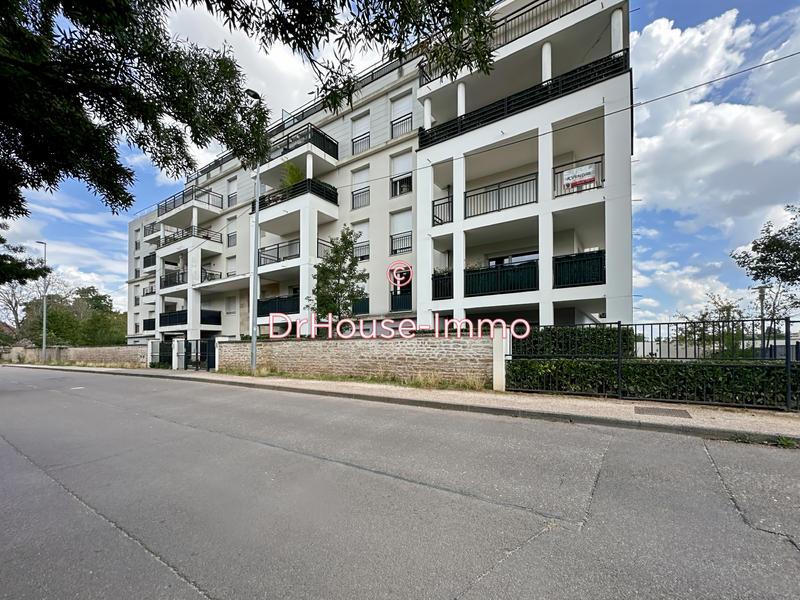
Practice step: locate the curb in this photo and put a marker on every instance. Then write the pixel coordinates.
(689, 430)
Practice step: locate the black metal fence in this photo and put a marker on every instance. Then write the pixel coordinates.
(575, 270)
(401, 184)
(401, 125)
(190, 194)
(360, 198)
(499, 196)
(308, 186)
(182, 234)
(161, 353)
(751, 362)
(442, 286)
(173, 279)
(300, 137)
(442, 211)
(279, 252)
(502, 279)
(400, 243)
(288, 305)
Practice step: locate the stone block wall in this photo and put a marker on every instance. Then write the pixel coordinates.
(134, 354)
(451, 360)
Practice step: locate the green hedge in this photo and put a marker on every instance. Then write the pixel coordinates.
(750, 383)
(591, 340)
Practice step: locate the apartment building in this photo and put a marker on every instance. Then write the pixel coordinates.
(508, 194)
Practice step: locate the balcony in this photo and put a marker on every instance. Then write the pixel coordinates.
(149, 291)
(178, 317)
(210, 317)
(500, 196)
(149, 325)
(578, 79)
(149, 261)
(401, 126)
(502, 279)
(218, 162)
(361, 307)
(361, 250)
(442, 286)
(279, 252)
(305, 135)
(578, 176)
(576, 270)
(442, 211)
(360, 198)
(401, 184)
(151, 229)
(182, 234)
(310, 186)
(288, 305)
(190, 194)
(400, 243)
(360, 143)
(173, 279)
(209, 275)
(520, 23)
(401, 301)
(232, 199)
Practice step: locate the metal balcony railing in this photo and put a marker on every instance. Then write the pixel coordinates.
(210, 317)
(401, 301)
(232, 199)
(151, 228)
(442, 211)
(216, 163)
(279, 252)
(323, 248)
(309, 186)
(561, 85)
(232, 239)
(400, 243)
(149, 291)
(401, 184)
(287, 305)
(209, 275)
(173, 279)
(578, 176)
(182, 234)
(574, 270)
(401, 125)
(361, 307)
(149, 261)
(361, 250)
(148, 325)
(360, 198)
(190, 194)
(360, 143)
(170, 319)
(502, 279)
(442, 286)
(506, 194)
(305, 135)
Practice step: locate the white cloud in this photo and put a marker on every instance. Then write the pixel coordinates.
(649, 302)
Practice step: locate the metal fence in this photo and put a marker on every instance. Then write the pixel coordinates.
(749, 362)
(499, 196)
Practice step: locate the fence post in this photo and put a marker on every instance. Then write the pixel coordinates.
(619, 360)
(788, 364)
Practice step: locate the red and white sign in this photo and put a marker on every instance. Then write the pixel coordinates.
(579, 176)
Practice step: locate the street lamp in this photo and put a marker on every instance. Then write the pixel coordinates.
(254, 280)
(44, 308)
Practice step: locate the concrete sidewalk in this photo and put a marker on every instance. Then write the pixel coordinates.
(715, 422)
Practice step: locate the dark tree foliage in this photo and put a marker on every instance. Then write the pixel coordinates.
(15, 266)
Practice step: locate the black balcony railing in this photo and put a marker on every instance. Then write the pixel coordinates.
(323, 248)
(149, 325)
(573, 270)
(506, 194)
(173, 279)
(401, 125)
(360, 198)
(309, 186)
(361, 307)
(190, 194)
(305, 135)
(231, 239)
(170, 319)
(149, 291)
(562, 85)
(149, 261)
(287, 305)
(518, 23)
(578, 176)
(230, 274)
(361, 143)
(216, 163)
(210, 317)
(401, 184)
(232, 199)
(442, 211)
(279, 252)
(400, 243)
(401, 301)
(151, 228)
(182, 234)
(209, 275)
(361, 250)
(442, 286)
(502, 279)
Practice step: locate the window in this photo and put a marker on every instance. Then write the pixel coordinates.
(400, 240)
(361, 134)
(401, 174)
(361, 248)
(401, 116)
(230, 305)
(513, 259)
(361, 188)
(137, 245)
(230, 269)
(231, 232)
(232, 192)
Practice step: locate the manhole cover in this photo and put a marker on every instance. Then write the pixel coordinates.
(662, 412)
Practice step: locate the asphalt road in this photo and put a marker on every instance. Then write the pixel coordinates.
(117, 487)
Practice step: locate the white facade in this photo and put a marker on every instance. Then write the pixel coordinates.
(508, 194)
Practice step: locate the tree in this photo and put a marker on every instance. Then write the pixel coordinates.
(16, 267)
(339, 281)
(774, 260)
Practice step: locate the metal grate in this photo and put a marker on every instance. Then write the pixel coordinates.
(662, 412)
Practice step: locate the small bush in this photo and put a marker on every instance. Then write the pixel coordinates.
(160, 365)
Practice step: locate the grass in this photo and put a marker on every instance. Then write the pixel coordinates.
(784, 442)
(424, 380)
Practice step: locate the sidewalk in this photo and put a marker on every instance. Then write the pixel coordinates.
(703, 421)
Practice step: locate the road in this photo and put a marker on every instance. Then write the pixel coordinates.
(123, 487)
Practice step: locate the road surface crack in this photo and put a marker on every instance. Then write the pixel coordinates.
(594, 484)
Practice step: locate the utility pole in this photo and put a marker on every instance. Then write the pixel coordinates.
(254, 279)
(44, 309)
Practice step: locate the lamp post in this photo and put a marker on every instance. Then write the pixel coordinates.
(761, 289)
(254, 279)
(44, 309)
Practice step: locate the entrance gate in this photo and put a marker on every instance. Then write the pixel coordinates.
(198, 355)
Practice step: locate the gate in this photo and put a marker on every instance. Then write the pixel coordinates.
(199, 355)
(162, 354)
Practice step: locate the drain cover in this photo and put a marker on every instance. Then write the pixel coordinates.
(662, 412)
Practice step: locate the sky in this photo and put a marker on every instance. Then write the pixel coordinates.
(710, 166)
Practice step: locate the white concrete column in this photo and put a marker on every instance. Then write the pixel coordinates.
(194, 216)
(462, 98)
(308, 254)
(547, 61)
(499, 360)
(309, 166)
(616, 31)
(428, 114)
(424, 269)
(193, 301)
(546, 316)
(459, 246)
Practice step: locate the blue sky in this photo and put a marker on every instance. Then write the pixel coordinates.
(712, 165)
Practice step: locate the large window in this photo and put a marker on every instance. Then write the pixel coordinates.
(360, 188)
(361, 134)
(401, 116)
(361, 248)
(401, 174)
(231, 232)
(400, 241)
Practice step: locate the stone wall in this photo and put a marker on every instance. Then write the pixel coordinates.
(453, 360)
(134, 354)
